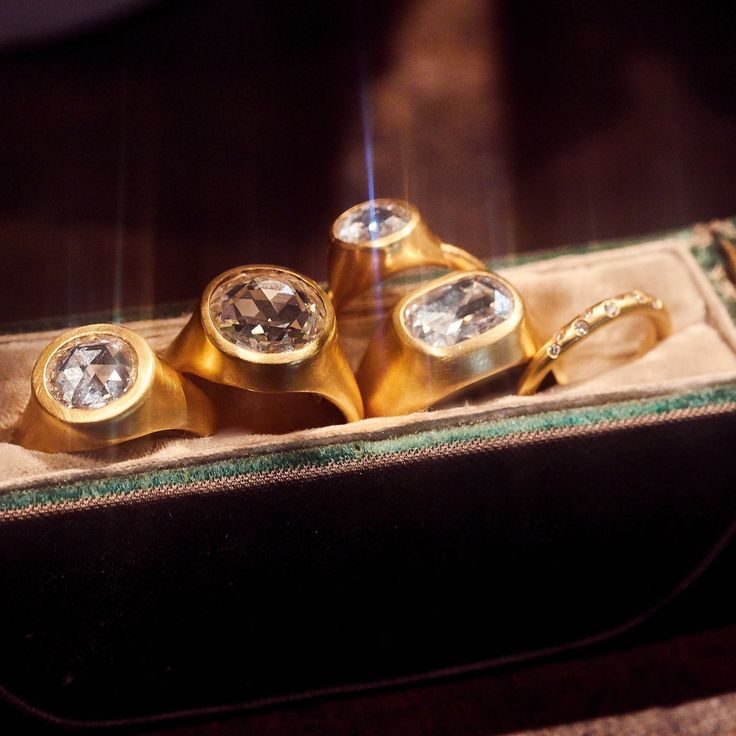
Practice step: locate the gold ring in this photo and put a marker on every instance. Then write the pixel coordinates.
(375, 240)
(271, 333)
(102, 384)
(446, 336)
(547, 357)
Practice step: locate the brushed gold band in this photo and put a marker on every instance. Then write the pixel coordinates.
(599, 315)
(318, 368)
(355, 266)
(159, 400)
(401, 373)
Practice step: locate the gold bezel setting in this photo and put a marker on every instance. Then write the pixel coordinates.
(116, 407)
(487, 337)
(243, 352)
(384, 241)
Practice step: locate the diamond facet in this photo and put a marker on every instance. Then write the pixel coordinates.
(267, 311)
(458, 311)
(612, 309)
(92, 371)
(554, 350)
(371, 220)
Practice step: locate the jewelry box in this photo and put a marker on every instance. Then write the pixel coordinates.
(174, 576)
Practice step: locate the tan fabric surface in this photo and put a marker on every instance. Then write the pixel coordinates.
(711, 717)
(702, 350)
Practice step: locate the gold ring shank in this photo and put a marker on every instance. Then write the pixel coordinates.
(399, 374)
(354, 268)
(320, 369)
(162, 401)
(458, 259)
(635, 303)
(326, 373)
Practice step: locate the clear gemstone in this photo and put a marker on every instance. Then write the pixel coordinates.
(458, 311)
(559, 336)
(371, 220)
(657, 304)
(581, 327)
(553, 350)
(639, 296)
(612, 309)
(269, 312)
(92, 371)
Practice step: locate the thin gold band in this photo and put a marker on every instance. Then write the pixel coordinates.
(598, 316)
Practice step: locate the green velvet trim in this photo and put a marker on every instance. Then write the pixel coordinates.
(357, 451)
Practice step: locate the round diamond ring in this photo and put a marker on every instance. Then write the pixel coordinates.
(102, 384)
(271, 334)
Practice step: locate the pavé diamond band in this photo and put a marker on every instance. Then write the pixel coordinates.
(271, 331)
(102, 384)
(448, 335)
(375, 240)
(548, 358)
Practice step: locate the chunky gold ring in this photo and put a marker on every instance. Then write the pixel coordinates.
(380, 238)
(272, 332)
(444, 337)
(102, 384)
(547, 357)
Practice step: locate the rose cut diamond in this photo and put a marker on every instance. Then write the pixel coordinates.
(92, 371)
(371, 220)
(458, 311)
(268, 311)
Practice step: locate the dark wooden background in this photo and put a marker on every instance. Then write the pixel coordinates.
(140, 158)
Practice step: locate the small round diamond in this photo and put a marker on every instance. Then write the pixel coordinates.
(581, 327)
(554, 350)
(267, 311)
(371, 220)
(92, 371)
(612, 309)
(639, 296)
(657, 304)
(559, 336)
